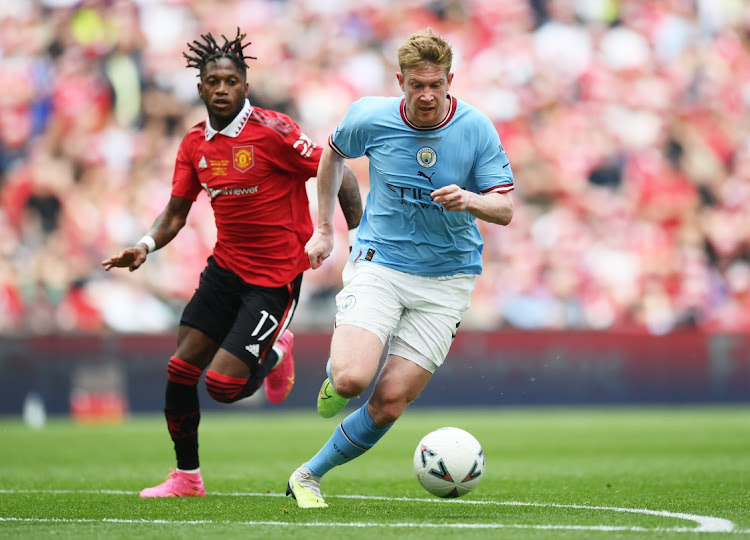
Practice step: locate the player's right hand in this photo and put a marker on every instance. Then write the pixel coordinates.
(132, 258)
(319, 248)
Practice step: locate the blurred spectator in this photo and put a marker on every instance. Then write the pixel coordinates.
(626, 121)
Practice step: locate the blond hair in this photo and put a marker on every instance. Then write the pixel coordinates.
(425, 47)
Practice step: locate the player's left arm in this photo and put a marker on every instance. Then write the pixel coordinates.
(493, 207)
(493, 178)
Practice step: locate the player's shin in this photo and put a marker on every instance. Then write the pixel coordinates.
(182, 411)
(352, 438)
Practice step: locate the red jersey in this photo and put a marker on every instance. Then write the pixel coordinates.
(254, 173)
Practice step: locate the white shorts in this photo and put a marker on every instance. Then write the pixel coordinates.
(417, 316)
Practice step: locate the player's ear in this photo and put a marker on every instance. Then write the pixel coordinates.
(400, 78)
(200, 91)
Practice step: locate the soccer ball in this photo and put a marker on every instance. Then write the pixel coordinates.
(449, 462)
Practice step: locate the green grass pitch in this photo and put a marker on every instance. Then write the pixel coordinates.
(605, 473)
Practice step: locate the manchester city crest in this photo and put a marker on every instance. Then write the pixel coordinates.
(347, 304)
(426, 156)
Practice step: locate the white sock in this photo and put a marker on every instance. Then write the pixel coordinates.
(191, 471)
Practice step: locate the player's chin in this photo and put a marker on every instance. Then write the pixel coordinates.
(223, 110)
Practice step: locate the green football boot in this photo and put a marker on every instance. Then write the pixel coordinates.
(329, 402)
(305, 488)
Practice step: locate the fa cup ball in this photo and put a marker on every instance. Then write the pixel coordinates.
(449, 462)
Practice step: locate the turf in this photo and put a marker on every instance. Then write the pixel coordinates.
(551, 474)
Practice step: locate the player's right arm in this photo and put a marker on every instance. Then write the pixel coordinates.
(165, 228)
(330, 175)
(350, 201)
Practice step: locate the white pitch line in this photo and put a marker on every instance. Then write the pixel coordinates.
(707, 524)
(601, 528)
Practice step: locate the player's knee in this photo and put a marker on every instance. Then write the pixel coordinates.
(385, 413)
(181, 372)
(349, 384)
(224, 389)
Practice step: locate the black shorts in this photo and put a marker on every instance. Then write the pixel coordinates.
(244, 319)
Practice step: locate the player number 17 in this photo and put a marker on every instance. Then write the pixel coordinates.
(265, 316)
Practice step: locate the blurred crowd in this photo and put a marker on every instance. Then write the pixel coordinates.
(626, 123)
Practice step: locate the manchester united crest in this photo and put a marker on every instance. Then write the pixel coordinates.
(244, 157)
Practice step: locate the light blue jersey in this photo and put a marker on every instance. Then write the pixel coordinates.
(402, 228)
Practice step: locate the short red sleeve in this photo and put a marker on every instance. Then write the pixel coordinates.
(185, 182)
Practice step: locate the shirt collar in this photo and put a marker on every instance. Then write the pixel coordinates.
(236, 125)
(452, 105)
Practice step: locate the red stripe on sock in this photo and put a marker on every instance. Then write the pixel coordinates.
(222, 387)
(180, 372)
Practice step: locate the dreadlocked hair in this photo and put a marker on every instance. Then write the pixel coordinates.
(210, 51)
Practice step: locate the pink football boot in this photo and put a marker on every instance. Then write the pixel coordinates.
(280, 381)
(178, 484)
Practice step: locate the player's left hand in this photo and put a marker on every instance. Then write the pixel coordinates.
(452, 198)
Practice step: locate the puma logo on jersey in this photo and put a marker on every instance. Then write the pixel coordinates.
(420, 173)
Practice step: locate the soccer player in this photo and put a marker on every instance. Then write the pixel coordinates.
(436, 165)
(253, 165)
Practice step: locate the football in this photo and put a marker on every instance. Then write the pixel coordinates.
(449, 462)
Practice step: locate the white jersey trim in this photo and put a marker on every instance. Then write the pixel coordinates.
(235, 127)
